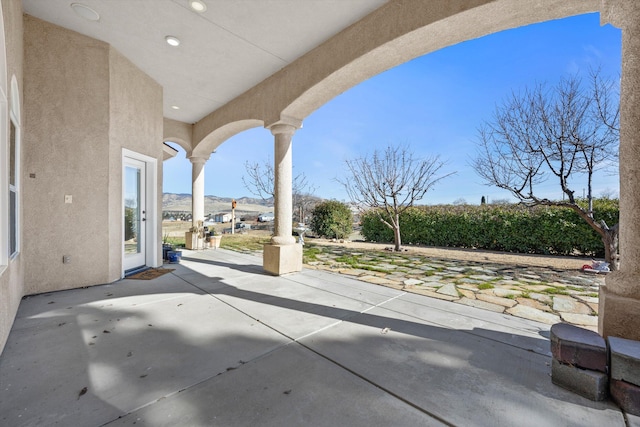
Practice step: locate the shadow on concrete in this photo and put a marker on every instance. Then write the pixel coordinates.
(245, 268)
(148, 348)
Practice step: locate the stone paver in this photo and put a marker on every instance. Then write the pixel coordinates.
(380, 281)
(543, 298)
(535, 293)
(580, 319)
(505, 302)
(506, 293)
(481, 304)
(467, 293)
(432, 294)
(534, 314)
(483, 277)
(534, 304)
(448, 289)
(567, 304)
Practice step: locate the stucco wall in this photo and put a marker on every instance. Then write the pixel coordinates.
(178, 132)
(79, 118)
(65, 146)
(11, 280)
(136, 123)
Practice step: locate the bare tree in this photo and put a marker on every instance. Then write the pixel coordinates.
(261, 177)
(303, 204)
(608, 193)
(390, 182)
(565, 133)
(259, 180)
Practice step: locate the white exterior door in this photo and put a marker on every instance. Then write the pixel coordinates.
(135, 213)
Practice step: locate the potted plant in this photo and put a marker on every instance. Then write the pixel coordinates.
(166, 247)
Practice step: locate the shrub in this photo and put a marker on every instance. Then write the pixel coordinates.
(509, 228)
(332, 219)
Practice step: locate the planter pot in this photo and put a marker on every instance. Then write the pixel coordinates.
(191, 240)
(174, 256)
(165, 251)
(214, 241)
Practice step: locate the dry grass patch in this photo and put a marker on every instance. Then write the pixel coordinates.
(244, 242)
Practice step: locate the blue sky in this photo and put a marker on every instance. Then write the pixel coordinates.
(433, 104)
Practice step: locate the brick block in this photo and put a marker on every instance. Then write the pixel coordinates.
(626, 395)
(590, 384)
(579, 347)
(625, 360)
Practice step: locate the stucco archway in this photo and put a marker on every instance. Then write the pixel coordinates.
(397, 32)
(214, 139)
(392, 35)
(402, 30)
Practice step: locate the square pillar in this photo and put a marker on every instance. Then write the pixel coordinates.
(619, 315)
(619, 307)
(282, 259)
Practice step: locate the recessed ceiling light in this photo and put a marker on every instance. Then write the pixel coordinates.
(175, 107)
(197, 5)
(85, 11)
(172, 41)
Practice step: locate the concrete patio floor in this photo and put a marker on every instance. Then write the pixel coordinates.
(219, 343)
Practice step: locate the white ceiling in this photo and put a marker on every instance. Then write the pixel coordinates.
(224, 51)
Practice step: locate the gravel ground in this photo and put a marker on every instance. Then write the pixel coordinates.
(556, 262)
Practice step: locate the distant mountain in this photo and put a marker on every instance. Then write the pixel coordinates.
(214, 204)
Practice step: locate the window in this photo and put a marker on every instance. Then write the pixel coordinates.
(14, 170)
(13, 190)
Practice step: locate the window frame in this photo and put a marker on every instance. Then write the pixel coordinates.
(13, 143)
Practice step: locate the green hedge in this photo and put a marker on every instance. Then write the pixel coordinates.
(508, 228)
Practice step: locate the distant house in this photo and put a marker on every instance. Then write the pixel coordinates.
(266, 217)
(222, 217)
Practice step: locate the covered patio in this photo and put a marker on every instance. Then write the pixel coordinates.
(219, 342)
(87, 98)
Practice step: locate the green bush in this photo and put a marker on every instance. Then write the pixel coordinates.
(509, 228)
(332, 219)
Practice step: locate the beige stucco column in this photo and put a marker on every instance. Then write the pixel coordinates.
(283, 185)
(283, 255)
(619, 309)
(197, 188)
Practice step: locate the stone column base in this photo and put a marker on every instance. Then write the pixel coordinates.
(282, 259)
(618, 316)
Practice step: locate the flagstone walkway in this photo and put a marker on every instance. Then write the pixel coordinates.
(549, 295)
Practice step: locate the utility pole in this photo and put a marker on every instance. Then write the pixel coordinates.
(233, 216)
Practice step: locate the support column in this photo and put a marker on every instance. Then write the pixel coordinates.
(197, 189)
(283, 255)
(619, 309)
